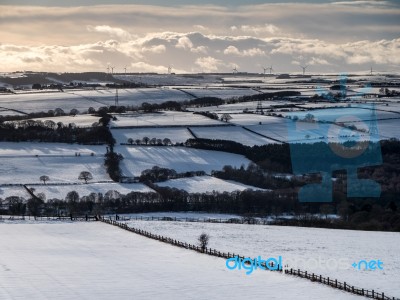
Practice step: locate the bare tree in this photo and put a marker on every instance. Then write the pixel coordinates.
(326, 209)
(44, 178)
(226, 117)
(50, 124)
(74, 112)
(167, 142)
(84, 175)
(146, 140)
(203, 240)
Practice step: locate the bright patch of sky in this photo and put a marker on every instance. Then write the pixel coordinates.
(341, 36)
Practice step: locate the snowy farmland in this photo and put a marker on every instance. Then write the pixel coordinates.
(13, 191)
(9, 149)
(83, 99)
(26, 162)
(60, 169)
(176, 135)
(331, 115)
(78, 120)
(201, 184)
(61, 191)
(236, 133)
(99, 261)
(223, 93)
(140, 158)
(300, 247)
(165, 118)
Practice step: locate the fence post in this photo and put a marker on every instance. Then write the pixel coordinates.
(373, 294)
(335, 283)
(345, 285)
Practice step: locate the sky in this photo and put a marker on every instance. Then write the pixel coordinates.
(214, 36)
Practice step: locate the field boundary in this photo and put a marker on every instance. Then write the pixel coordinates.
(334, 283)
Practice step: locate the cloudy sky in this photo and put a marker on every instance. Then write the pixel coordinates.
(215, 36)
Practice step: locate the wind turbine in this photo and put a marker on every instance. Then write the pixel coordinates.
(125, 70)
(270, 70)
(371, 70)
(112, 69)
(265, 70)
(234, 70)
(108, 69)
(304, 69)
(169, 69)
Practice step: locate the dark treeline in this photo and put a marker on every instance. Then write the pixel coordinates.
(166, 199)
(204, 101)
(207, 114)
(271, 157)
(112, 163)
(179, 106)
(265, 96)
(58, 134)
(157, 174)
(360, 214)
(253, 175)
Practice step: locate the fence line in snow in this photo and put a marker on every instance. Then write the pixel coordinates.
(334, 283)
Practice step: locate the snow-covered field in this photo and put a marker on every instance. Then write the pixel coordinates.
(78, 120)
(26, 162)
(140, 158)
(201, 184)
(239, 107)
(302, 248)
(9, 149)
(175, 134)
(60, 169)
(389, 128)
(83, 99)
(235, 133)
(61, 191)
(254, 119)
(223, 93)
(99, 261)
(362, 112)
(166, 118)
(386, 128)
(9, 191)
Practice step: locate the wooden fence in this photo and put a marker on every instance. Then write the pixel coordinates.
(334, 283)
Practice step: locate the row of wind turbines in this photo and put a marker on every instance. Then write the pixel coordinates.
(110, 69)
(235, 70)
